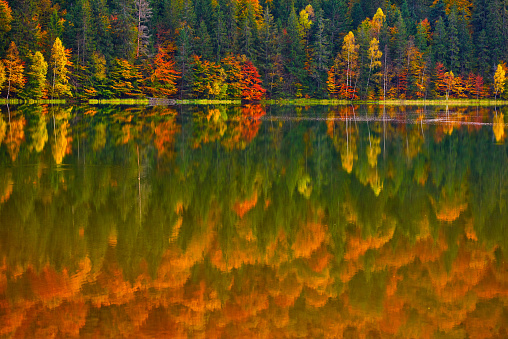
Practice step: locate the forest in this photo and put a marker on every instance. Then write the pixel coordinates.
(253, 49)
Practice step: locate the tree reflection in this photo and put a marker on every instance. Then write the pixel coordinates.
(223, 221)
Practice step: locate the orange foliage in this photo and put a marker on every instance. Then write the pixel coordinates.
(15, 136)
(309, 239)
(165, 138)
(251, 83)
(241, 208)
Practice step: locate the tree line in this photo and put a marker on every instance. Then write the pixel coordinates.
(252, 49)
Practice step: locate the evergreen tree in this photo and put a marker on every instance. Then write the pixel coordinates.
(295, 56)
(183, 58)
(482, 52)
(465, 45)
(204, 42)
(339, 22)
(219, 33)
(453, 50)
(440, 42)
(495, 29)
(267, 46)
(123, 29)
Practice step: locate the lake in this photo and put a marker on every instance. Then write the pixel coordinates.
(253, 221)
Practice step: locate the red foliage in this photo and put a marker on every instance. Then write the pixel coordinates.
(251, 83)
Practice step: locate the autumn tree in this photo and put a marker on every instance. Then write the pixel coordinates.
(208, 79)
(14, 70)
(5, 19)
(125, 79)
(499, 79)
(59, 63)
(251, 82)
(346, 66)
(163, 76)
(2, 75)
(375, 56)
(36, 76)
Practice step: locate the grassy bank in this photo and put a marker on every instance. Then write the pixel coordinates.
(390, 102)
(32, 102)
(279, 102)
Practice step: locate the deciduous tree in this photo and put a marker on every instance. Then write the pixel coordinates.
(499, 80)
(59, 63)
(14, 70)
(36, 76)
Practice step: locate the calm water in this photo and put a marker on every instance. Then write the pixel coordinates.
(253, 222)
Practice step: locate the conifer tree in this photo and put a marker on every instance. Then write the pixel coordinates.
(453, 41)
(440, 41)
(59, 74)
(204, 42)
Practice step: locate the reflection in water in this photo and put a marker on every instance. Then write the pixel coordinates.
(253, 221)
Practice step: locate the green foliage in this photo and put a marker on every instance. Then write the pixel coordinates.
(36, 86)
(125, 79)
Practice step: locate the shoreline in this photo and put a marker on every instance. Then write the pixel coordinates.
(277, 102)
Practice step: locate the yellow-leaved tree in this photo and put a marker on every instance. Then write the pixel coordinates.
(375, 55)
(59, 74)
(499, 80)
(2, 75)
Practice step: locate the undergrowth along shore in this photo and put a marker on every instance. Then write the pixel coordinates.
(282, 102)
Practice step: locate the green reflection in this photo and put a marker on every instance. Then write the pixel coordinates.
(234, 220)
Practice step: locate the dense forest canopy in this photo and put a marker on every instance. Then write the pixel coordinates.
(251, 49)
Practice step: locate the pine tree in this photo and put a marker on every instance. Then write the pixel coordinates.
(219, 33)
(321, 49)
(267, 46)
(440, 41)
(183, 58)
(124, 29)
(465, 45)
(36, 76)
(14, 70)
(204, 42)
(482, 51)
(422, 37)
(59, 73)
(453, 54)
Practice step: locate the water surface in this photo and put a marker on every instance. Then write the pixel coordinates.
(253, 221)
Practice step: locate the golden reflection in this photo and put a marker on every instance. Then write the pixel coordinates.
(499, 127)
